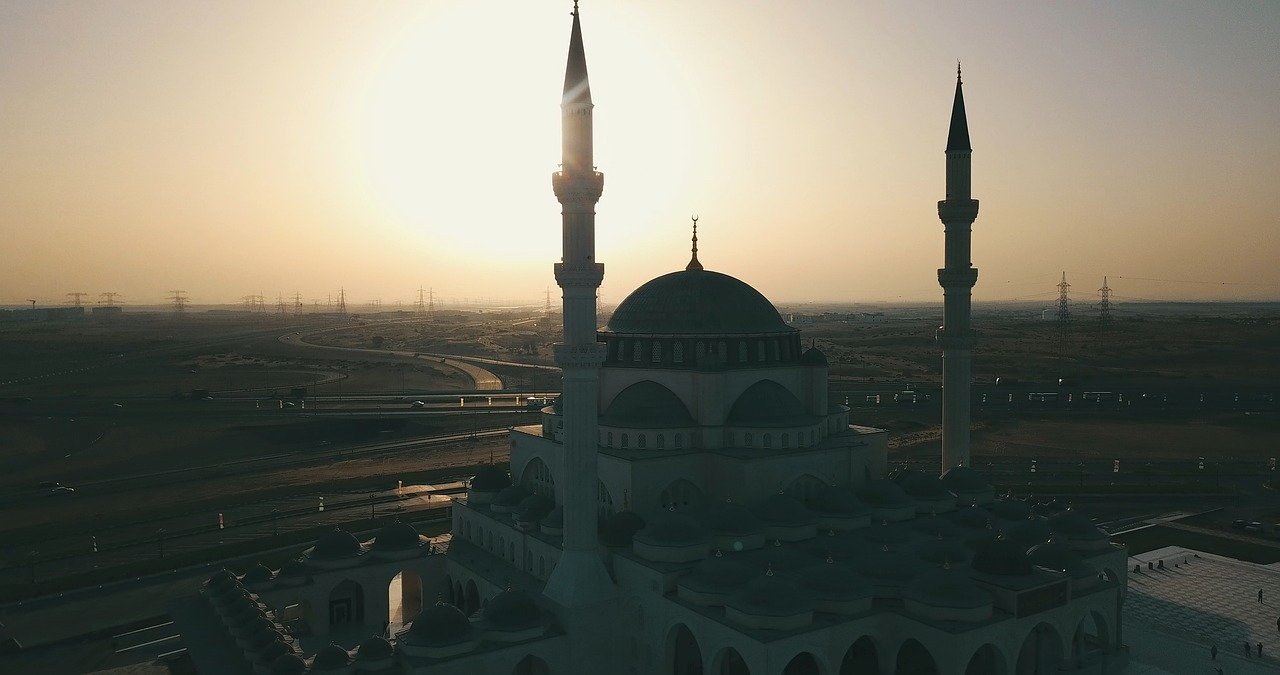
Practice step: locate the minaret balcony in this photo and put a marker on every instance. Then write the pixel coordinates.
(958, 210)
(577, 188)
(964, 277)
(589, 275)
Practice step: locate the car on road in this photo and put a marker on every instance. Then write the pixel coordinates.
(418, 404)
(62, 490)
(1255, 526)
(873, 398)
(1238, 523)
(48, 484)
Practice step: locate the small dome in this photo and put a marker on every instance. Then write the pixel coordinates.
(266, 637)
(439, 625)
(924, 486)
(886, 534)
(336, 544)
(647, 405)
(813, 357)
(373, 649)
(294, 568)
(1003, 557)
(717, 575)
(833, 581)
(288, 664)
(1059, 558)
(274, 650)
(842, 545)
(258, 574)
(933, 526)
(490, 478)
(1075, 525)
(731, 519)
(1028, 533)
(618, 529)
(839, 501)
(940, 551)
(512, 610)
(770, 596)
(883, 493)
(222, 579)
(671, 528)
(1011, 509)
(965, 479)
(947, 588)
(397, 536)
(696, 302)
(972, 517)
(554, 518)
(766, 403)
(783, 510)
(887, 566)
(779, 558)
(331, 657)
(510, 496)
(532, 508)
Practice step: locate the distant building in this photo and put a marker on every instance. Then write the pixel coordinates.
(106, 312)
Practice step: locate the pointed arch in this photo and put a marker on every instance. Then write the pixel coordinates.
(684, 656)
(861, 658)
(986, 660)
(914, 659)
(538, 479)
(1091, 637)
(806, 487)
(681, 494)
(1041, 650)
(346, 604)
(803, 663)
(729, 662)
(531, 665)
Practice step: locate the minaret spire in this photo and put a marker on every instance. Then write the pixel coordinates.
(693, 262)
(957, 278)
(579, 578)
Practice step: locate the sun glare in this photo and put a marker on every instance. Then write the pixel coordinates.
(462, 134)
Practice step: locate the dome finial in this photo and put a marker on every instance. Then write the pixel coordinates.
(957, 61)
(693, 262)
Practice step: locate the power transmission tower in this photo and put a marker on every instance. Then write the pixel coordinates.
(75, 297)
(179, 300)
(342, 301)
(431, 301)
(422, 304)
(1064, 307)
(280, 306)
(1104, 305)
(297, 302)
(547, 308)
(109, 298)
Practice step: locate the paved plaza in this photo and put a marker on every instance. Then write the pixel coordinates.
(1173, 615)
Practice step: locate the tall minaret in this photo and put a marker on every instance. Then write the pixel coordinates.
(579, 578)
(957, 278)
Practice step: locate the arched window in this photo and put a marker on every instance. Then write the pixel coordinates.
(742, 351)
(537, 478)
(746, 439)
(724, 350)
(677, 352)
(773, 344)
(699, 349)
(728, 438)
(636, 351)
(640, 441)
(806, 488)
(604, 500)
(679, 440)
(656, 357)
(760, 355)
(610, 437)
(662, 441)
(768, 440)
(786, 440)
(624, 440)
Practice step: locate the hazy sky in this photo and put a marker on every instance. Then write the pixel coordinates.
(234, 147)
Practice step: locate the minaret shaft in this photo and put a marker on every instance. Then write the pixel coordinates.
(957, 278)
(579, 578)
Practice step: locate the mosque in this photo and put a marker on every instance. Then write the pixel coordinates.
(694, 503)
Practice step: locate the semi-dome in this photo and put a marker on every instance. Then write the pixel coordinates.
(508, 498)
(288, 664)
(924, 486)
(294, 568)
(490, 478)
(512, 610)
(332, 657)
(1075, 525)
(1003, 557)
(647, 405)
(532, 508)
(258, 574)
(813, 357)
(440, 625)
(670, 528)
(886, 534)
(885, 566)
(696, 302)
(784, 510)
(766, 403)
(336, 544)
(396, 537)
(833, 581)
(973, 517)
(374, 648)
(1028, 533)
(942, 551)
(839, 501)
(731, 518)
(883, 493)
(1059, 558)
(618, 529)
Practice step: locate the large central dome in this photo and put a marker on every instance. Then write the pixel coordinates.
(696, 302)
